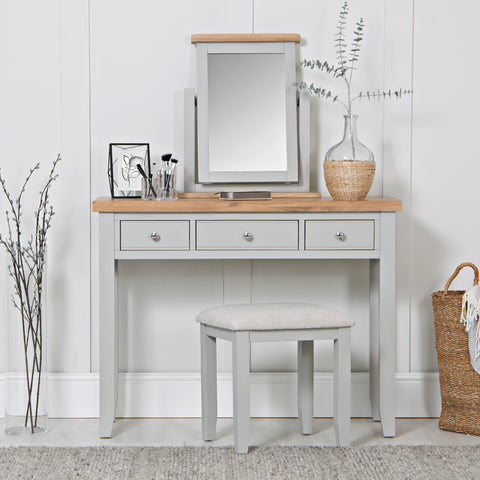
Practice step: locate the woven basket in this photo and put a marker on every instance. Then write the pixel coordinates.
(459, 382)
(348, 179)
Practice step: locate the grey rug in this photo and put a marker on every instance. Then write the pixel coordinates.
(173, 463)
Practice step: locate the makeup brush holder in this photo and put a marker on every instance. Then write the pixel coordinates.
(167, 186)
(148, 191)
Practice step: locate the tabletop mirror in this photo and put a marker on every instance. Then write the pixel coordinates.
(246, 127)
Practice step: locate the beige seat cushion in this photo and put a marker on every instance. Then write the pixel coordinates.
(274, 316)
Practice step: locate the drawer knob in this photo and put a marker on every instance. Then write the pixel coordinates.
(341, 236)
(247, 236)
(155, 236)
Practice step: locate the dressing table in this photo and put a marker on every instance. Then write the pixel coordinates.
(294, 224)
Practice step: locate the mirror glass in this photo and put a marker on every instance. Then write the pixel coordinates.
(247, 112)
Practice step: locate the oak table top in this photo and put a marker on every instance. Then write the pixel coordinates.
(280, 203)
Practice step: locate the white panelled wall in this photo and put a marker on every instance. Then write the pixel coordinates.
(79, 74)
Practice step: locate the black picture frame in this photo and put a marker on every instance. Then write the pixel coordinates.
(123, 176)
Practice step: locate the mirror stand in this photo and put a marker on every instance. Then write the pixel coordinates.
(245, 126)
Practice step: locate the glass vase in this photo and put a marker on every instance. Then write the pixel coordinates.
(25, 376)
(349, 166)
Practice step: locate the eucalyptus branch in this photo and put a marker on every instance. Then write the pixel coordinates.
(318, 91)
(355, 47)
(340, 36)
(324, 66)
(345, 66)
(382, 94)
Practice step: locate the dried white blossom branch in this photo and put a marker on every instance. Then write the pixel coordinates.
(26, 268)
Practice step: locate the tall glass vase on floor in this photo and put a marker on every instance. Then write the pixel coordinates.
(25, 354)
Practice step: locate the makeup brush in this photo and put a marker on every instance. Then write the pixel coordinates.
(148, 180)
(173, 168)
(166, 170)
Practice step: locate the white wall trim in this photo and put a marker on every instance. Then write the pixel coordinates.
(273, 395)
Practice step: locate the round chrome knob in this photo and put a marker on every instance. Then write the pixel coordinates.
(341, 236)
(247, 236)
(155, 236)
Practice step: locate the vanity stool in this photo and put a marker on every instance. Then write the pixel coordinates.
(244, 324)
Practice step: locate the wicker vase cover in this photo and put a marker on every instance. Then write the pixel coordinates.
(459, 382)
(349, 166)
(348, 179)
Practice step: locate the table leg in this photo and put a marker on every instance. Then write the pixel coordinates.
(108, 324)
(209, 384)
(386, 323)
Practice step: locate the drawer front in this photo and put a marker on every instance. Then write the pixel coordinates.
(340, 235)
(156, 235)
(247, 235)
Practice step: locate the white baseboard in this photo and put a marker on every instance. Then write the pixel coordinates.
(272, 395)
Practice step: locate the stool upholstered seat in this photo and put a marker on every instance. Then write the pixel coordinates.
(273, 316)
(267, 322)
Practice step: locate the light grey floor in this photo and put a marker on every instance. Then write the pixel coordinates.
(263, 432)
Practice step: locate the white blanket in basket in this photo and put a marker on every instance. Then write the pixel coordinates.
(470, 318)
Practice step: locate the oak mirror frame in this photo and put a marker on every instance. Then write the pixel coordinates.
(247, 125)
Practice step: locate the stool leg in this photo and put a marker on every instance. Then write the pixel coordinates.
(241, 390)
(342, 385)
(305, 386)
(209, 384)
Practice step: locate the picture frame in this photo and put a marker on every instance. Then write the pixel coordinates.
(123, 176)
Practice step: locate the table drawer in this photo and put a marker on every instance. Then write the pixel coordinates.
(340, 235)
(155, 235)
(247, 235)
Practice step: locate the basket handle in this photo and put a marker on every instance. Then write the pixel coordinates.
(457, 271)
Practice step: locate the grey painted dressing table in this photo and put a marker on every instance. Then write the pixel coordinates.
(290, 226)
